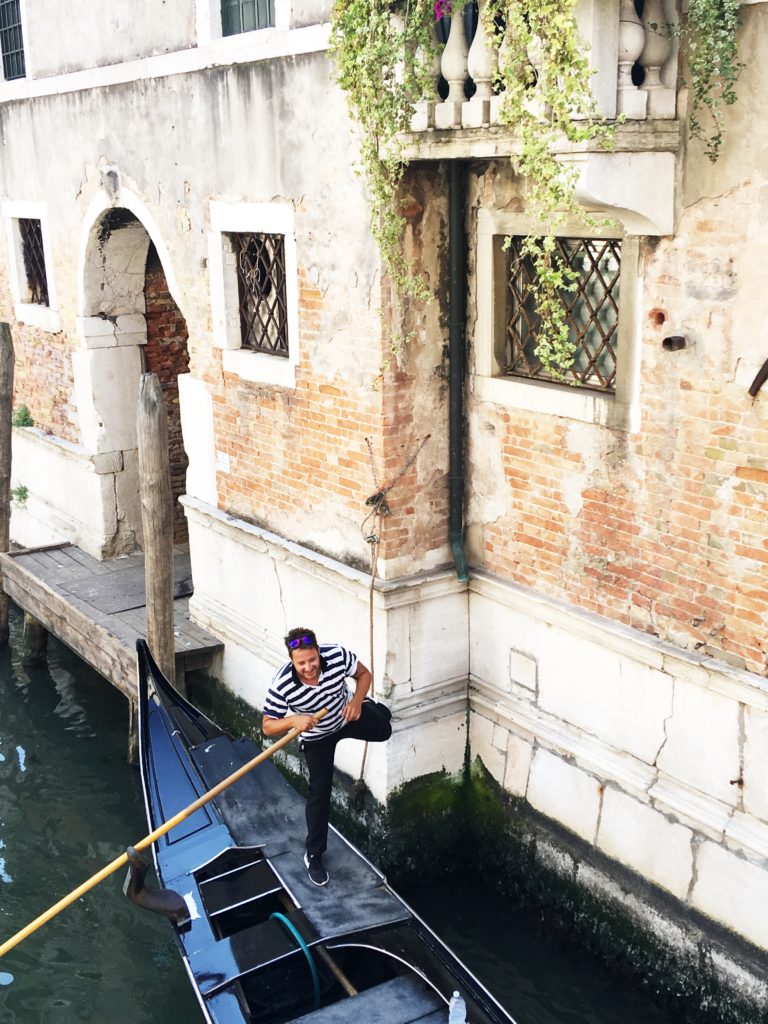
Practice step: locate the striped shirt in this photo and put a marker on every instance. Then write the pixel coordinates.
(287, 695)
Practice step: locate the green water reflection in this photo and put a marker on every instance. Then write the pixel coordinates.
(69, 804)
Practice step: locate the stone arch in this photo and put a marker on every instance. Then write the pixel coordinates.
(117, 241)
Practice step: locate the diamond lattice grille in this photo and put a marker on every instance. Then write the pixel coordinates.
(261, 290)
(591, 309)
(34, 260)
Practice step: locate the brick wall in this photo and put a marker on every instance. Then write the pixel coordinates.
(166, 355)
(43, 379)
(665, 529)
(298, 462)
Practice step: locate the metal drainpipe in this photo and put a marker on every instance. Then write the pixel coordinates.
(457, 277)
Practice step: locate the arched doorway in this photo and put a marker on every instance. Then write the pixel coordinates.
(130, 324)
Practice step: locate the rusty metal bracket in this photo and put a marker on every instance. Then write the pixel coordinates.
(760, 379)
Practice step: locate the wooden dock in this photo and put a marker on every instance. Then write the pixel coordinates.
(98, 609)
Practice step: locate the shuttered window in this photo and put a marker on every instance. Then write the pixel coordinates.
(11, 40)
(246, 15)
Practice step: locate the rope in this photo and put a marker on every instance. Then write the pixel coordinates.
(372, 529)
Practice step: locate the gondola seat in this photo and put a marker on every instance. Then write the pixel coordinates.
(404, 1000)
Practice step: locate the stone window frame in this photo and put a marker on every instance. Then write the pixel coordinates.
(619, 410)
(31, 313)
(244, 218)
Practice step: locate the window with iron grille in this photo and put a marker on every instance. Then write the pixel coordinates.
(591, 312)
(33, 253)
(260, 259)
(246, 15)
(11, 39)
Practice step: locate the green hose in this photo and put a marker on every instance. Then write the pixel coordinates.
(305, 950)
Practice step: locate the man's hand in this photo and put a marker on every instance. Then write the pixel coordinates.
(352, 711)
(304, 722)
(278, 726)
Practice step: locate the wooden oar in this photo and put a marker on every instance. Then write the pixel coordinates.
(142, 844)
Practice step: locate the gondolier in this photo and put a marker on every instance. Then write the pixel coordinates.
(315, 677)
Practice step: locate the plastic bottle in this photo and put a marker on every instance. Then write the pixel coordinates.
(457, 1010)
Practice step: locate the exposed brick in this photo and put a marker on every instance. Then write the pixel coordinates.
(166, 355)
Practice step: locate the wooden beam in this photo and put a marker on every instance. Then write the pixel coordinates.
(35, 641)
(157, 522)
(77, 627)
(7, 360)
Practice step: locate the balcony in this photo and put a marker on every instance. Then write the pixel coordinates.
(634, 85)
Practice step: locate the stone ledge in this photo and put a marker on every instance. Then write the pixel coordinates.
(706, 815)
(388, 594)
(745, 687)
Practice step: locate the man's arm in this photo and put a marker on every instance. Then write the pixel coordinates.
(278, 726)
(362, 679)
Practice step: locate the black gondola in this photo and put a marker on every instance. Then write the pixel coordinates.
(260, 942)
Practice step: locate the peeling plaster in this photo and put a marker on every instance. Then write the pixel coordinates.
(489, 497)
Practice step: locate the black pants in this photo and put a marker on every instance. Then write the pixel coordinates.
(372, 725)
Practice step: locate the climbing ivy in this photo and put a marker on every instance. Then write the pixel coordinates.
(385, 55)
(544, 77)
(711, 47)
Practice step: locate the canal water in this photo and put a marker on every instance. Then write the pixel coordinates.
(69, 804)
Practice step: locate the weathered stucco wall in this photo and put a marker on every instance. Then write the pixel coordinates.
(212, 153)
(60, 38)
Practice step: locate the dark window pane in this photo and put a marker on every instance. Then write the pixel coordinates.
(246, 15)
(11, 42)
(34, 260)
(261, 292)
(591, 312)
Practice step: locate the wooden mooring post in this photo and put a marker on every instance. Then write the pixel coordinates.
(7, 361)
(157, 525)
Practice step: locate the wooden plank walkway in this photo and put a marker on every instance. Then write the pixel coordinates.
(98, 608)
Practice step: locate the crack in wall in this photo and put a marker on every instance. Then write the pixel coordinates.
(280, 593)
(739, 782)
(667, 720)
(601, 789)
(696, 842)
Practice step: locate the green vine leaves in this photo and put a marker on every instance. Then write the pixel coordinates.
(385, 56)
(544, 80)
(709, 39)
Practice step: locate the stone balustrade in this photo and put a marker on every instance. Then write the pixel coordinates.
(634, 58)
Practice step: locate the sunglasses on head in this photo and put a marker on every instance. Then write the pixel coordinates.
(301, 641)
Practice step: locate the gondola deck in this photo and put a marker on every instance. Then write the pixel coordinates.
(263, 945)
